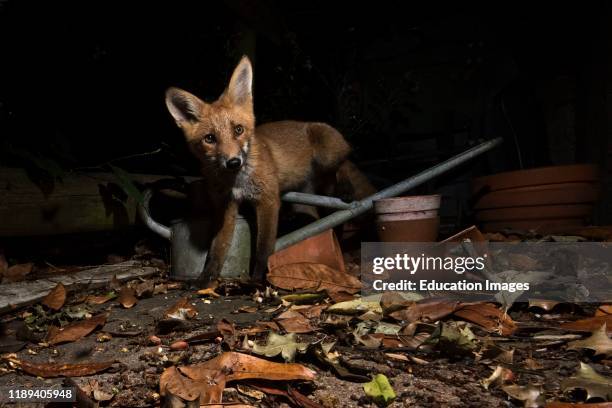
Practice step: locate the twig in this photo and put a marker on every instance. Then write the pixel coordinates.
(131, 156)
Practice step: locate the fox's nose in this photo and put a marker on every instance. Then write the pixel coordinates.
(233, 163)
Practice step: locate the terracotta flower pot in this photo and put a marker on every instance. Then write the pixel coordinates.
(322, 248)
(547, 199)
(420, 230)
(534, 177)
(560, 193)
(408, 219)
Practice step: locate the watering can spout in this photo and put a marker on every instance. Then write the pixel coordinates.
(145, 216)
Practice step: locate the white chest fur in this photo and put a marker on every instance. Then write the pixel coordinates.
(245, 188)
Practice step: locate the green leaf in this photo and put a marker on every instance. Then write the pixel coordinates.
(126, 183)
(380, 390)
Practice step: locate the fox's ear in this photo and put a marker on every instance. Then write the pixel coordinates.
(184, 107)
(239, 89)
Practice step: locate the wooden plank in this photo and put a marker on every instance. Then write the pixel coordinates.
(20, 294)
(82, 202)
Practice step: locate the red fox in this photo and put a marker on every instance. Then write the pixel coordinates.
(241, 163)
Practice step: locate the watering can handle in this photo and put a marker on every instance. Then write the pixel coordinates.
(145, 216)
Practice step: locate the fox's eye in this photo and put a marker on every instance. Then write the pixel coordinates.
(210, 138)
(238, 129)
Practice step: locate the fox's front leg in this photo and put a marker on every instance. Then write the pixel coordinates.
(219, 247)
(267, 223)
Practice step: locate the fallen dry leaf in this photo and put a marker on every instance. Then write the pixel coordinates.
(309, 312)
(208, 292)
(393, 301)
(241, 366)
(532, 364)
(492, 351)
(277, 344)
(172, 382)
(599, 342)
(430, 310)
(586, 378)
(313, 276)
(17, 273)
(604, 310)
(488, 316)
(589, 324)
(127, 297)
(182, 310)
(546, 305)
(115, 284)
(74, 331)
(207, 380)
(296, 324)
(98, 300)
(246, 309)
(395, 356)
(56, 298)
(530, 395)
(226, 328)
(60, 370)
(144, 289)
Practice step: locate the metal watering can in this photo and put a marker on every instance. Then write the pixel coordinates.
(190, 239)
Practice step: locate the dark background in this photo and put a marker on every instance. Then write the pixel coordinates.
(408, 83)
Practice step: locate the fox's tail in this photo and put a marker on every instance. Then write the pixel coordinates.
(351, 183)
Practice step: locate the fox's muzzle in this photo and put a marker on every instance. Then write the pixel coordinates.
(234, 163)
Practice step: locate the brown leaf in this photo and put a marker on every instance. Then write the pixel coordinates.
(97, 300)
(74, 331)
(309, 312)
(145, 289)
(127, 297)
(531, 364)
(531, 395)
(17, 273)
(246, 309)
(393, 301)
(115, 284)
(429, 310)
(586, 378)
(604, 310)
(598, 342)
(546, 305)
(56, 297)
(61, 370)
(590, 324)
(243, 366)
(208, 379)
(296, 324)
(172, 382)
(305, 275)
(208, 292)
(489, 317)
(226, 328)
(182, 310)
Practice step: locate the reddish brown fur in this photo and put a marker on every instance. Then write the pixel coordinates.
(276, 157)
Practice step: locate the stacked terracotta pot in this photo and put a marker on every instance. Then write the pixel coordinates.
(546, 199)
(408, 219)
